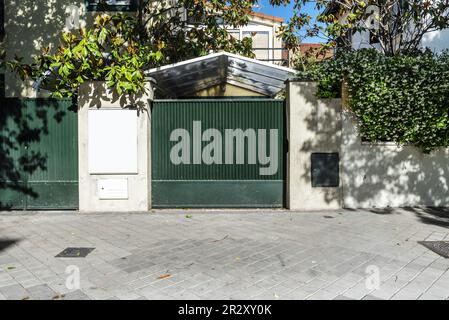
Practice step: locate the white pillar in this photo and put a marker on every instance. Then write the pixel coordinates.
(313, 126)
(114, 169)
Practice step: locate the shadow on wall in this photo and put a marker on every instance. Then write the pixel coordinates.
(97, 95)
(371, 176)
(22, 125)
(323, 134)
(31, 25)
(391, 176)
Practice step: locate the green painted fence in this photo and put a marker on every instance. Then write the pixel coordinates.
(216, 185)
(39, 146)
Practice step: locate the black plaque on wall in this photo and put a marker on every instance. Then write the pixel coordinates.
(325, 169)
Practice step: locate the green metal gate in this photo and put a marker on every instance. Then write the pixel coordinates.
(39, 145)
(196, 181)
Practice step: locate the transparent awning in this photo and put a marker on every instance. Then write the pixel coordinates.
(187, 77)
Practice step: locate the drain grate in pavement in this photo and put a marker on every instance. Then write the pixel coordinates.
(440, 247)
(74, 252)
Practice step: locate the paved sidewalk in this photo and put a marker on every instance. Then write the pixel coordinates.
(190, 254)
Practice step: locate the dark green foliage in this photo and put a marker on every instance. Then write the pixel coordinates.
(404, 99)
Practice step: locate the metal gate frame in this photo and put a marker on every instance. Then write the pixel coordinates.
(209, 186)
(53, 124)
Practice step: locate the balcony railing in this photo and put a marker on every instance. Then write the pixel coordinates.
(278, 56)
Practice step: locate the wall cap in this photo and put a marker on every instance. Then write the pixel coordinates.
(298, 80)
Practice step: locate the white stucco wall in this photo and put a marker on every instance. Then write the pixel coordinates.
(390, 176)
(30, 25)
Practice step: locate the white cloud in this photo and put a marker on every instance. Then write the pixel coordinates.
(437, 40)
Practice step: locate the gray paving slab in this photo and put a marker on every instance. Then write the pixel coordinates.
(219, 254)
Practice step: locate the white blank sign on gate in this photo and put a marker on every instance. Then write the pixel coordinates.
(112, 142)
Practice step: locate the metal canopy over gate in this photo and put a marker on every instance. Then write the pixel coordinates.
(203, 153)
(39, 154)
(184, 78)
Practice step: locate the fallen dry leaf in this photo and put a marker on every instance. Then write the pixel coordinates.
(58, 296)
(164, 276)
(221, 239)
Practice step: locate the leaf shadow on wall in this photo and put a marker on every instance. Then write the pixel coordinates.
(381, 176)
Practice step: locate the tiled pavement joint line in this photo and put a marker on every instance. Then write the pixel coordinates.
(433, 282)
(364, 278)
(414, 277)
(411, 280)
(333, 282)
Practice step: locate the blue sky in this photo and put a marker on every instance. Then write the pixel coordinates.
(286, 13)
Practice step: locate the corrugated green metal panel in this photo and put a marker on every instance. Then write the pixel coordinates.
(53, 195)
(169, 115)
(60, 143)
(218, 194)
(215, 185)
(13, 199)
(56, 185)
(13, 179)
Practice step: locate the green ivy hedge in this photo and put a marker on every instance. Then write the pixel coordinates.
(404, 99)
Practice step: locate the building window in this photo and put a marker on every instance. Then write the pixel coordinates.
(261, 44)
(112, 5)
(2, 19)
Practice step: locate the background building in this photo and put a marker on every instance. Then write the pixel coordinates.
(26, 26)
